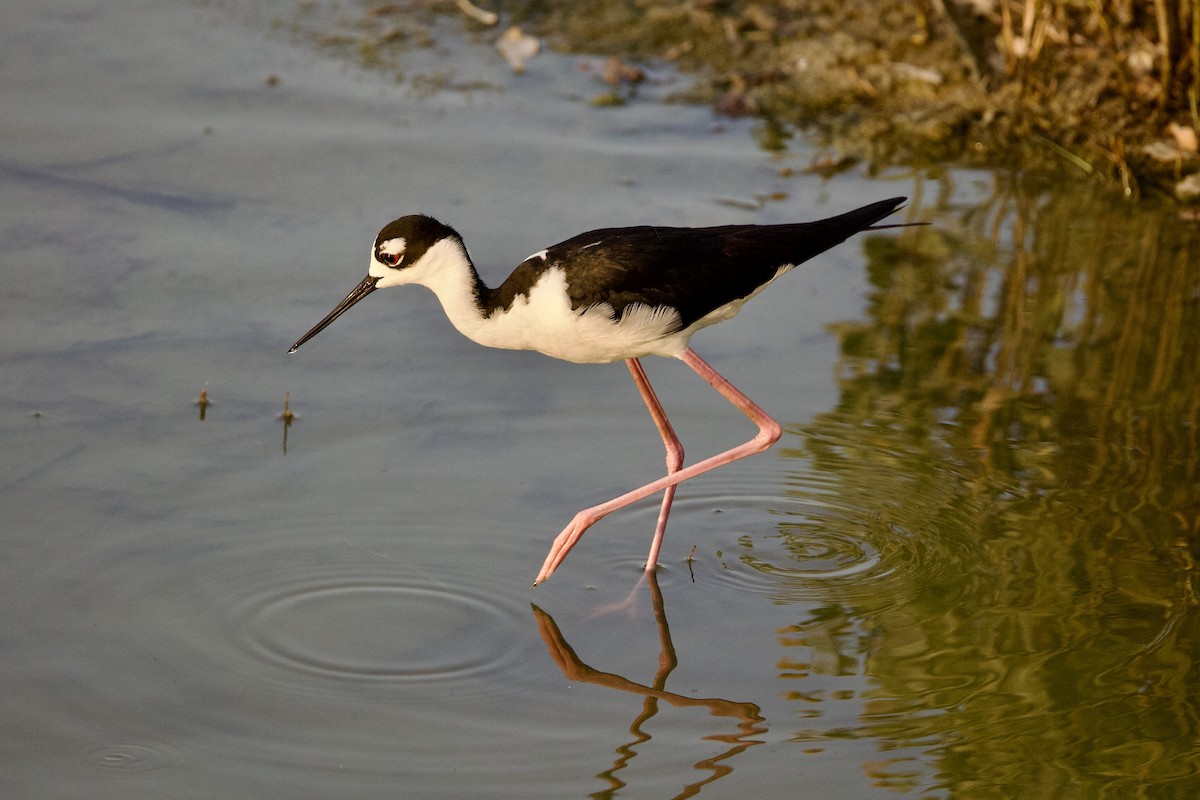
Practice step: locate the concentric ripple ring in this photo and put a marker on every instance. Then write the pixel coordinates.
(378, 631)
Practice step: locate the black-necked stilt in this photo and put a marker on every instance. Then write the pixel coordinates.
(608, 295)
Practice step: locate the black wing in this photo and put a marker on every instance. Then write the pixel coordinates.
(695, 270)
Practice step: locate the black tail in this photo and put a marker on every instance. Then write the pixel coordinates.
(794, 243)
(860, 219)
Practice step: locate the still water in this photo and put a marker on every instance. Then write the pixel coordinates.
(967, 571)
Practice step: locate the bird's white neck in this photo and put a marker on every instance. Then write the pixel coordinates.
(447, 271)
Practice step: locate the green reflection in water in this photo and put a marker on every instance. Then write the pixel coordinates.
(1023, 402)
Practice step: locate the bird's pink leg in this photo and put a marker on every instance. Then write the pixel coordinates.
(769, 432)
(674, 455)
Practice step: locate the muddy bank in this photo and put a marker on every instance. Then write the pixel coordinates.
(1104, 89)
(1105, 92)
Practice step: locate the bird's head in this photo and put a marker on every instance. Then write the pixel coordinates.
(411, 249)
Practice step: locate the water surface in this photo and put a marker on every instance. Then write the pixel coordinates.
(966, 571)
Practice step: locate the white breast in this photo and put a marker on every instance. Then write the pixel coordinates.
(544, 321)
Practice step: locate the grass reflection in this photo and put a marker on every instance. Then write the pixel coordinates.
(1024, 393)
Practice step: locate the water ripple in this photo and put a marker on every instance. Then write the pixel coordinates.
(807, 538)
(350, 630)
(823, 555)
(129, 756)
(799, 548)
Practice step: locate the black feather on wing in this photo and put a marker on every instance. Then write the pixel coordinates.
(695, 270)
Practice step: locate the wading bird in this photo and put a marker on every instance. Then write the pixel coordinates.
(609, 295)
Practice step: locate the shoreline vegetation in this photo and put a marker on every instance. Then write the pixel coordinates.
(1106, 91)
(1103, 88)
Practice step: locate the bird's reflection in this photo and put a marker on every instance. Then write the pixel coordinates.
(750, 719)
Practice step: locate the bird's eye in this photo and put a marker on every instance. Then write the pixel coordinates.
(391, 259)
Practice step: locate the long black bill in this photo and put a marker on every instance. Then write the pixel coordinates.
(362, 290)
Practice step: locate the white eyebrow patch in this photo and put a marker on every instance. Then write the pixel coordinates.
(394, 246)
(586, 246)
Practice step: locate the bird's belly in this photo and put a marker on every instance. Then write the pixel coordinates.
(544, 321)
(590, 335)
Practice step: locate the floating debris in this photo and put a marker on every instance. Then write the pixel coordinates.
(735, 102)
(734, 202)
(828, 165)
(607, 99)
(517, 47)
(1184, 136)
(287, 416)
(203, 403)
(1188, 189)
(476, 13)
(617, 72)
(384, 10)
(757, 204)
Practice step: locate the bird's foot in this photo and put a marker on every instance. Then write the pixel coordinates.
(564, 542)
